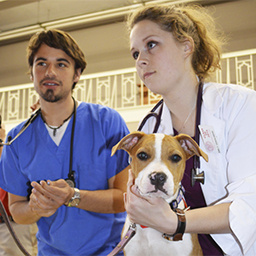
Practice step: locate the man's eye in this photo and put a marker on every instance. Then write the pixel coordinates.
(143, 156)
(151, 45)
(41, 64)
(62, 65)
(135, 55)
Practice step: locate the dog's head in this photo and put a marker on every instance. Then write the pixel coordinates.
(158, 161)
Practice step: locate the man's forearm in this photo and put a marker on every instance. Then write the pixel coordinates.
(102, 201)
(22, 212)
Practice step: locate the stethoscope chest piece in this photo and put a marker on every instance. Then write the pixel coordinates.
(196, 175)
(71, 183)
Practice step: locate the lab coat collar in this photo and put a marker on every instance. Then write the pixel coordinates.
(212, 98)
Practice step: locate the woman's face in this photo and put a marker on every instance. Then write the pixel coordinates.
(160, 59)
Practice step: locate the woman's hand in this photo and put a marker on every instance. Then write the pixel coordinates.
(148, 211)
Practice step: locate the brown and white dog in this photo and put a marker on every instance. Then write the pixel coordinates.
(158, 164)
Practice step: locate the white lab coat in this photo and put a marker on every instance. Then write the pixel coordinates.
(230, 176)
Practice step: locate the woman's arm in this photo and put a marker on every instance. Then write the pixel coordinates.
(207, 220)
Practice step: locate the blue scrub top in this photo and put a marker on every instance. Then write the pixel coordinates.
(34, 156)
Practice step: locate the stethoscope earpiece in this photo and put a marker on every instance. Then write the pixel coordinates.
(196, 176)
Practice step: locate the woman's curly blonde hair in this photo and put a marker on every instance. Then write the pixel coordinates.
(186, 22)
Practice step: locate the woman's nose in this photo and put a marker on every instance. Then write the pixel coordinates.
(142, 59)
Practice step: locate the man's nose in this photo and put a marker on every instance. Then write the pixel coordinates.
(50, 71)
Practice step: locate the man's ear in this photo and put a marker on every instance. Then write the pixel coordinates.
(31, 78)
(77, 75)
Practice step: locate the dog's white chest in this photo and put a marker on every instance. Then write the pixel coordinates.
(150, 242)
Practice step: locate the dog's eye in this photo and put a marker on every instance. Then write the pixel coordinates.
(175, 158)
(143, 156)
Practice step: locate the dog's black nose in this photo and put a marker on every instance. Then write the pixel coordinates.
(158, 179)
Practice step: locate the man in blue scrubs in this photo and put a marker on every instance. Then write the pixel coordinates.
(83, 215)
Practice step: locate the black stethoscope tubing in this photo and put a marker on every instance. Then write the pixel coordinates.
(198, 120)
(71, 173)
(152, 113)
(25, 126)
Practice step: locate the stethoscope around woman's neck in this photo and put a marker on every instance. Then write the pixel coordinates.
(196, 175)
(71, 175)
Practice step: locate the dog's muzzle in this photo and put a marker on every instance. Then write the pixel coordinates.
(158, 179)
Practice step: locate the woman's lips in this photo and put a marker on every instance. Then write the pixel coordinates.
(148, 74)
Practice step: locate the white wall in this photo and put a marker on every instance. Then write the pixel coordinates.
(107, 47)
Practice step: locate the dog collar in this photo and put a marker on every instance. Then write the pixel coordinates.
(174, 203)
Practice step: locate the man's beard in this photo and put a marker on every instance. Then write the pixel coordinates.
(50, 97)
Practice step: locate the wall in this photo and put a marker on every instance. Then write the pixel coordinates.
(107, 48)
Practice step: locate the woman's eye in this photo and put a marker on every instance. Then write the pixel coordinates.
(135, 55)
(151, 45)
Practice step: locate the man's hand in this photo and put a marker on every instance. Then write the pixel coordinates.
(47, 197)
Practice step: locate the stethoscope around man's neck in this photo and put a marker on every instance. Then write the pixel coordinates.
(196, 175)
(71, 175)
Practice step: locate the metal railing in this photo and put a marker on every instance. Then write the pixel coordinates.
(238, 68)
(122, 89)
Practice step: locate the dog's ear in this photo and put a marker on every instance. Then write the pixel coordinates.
(128, 142)
(190, 147)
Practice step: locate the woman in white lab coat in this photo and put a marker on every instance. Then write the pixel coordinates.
(175, 49)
